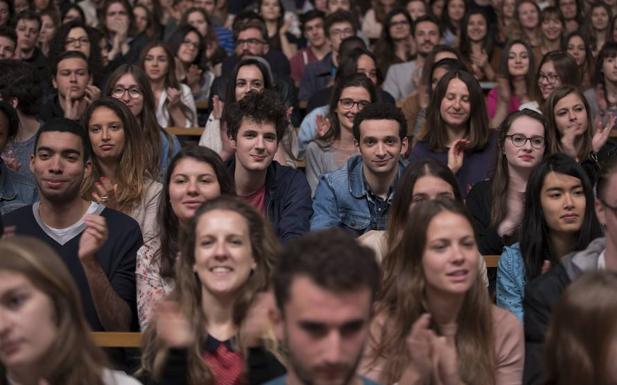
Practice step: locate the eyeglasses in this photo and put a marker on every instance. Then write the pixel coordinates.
(250, 42)
(82, 40)
(191, 43)
(551, 78)
(118, 92)
(612, 208)
(348, 103)
(519, 140)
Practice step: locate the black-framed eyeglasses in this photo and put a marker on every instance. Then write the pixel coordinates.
(348, 103)
(118, 92)
(612, 208)
(519, 140)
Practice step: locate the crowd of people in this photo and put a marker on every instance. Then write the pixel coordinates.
(357, 162)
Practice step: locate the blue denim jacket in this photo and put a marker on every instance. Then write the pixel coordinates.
(511, 279)
(16, 190)
(341, 200)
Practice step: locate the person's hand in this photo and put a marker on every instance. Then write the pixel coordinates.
(444, 352)
(193, 75)
(172, 327)
(93, 237)
(174, 97)
(72, 108)
(419, 346)
(217, 107)
(480, 59)
(323, 125)
(456, 155)
(416, 76)
(285, 27)
(92, 93)
(503, 90)
(105, 193)
(602, 132)
(568, 142)
(257, 322)
(10, 160)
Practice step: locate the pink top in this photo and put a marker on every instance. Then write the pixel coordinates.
(491, 103)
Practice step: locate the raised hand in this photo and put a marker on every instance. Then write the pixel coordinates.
(503, 89)
(602, 132)
(217, 107)
(92, 93)
(174, 96)
(419, 346)
(105, 193)
(172, 327)
(93, 237)
(323, 125)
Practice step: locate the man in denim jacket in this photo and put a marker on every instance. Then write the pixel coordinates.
(357, 196)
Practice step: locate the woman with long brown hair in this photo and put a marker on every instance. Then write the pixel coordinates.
(45, 337)
(431, 282)
(223, 270)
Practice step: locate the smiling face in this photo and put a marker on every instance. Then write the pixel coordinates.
(450, 259)
(528, 15)
(570, 115)
(527, 156)
(563, 203)
(156, 64)
(191, 184)
(187, 52)
(548, 79)
(518, 60)
(107, 135)
(380, 146)
(552, 28)
(223, 253)
(360, 96)
(455, 107)
(249, 78)
(476, 28)
(27, 326)
(255, 145)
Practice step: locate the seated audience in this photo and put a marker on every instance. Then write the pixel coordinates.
(580, 342)
(117, 25)
(558, 218)
(477, 46)
(196, 175)
(336, 145)
(496, 205)
(394, 45)
(175, 106)
(553, 27)
(357, 196)
(45, 336)
(213, 324)
(118, 179)
(16, 190)
(543, 293)
(435, 322)
(575, 44)
(571, 127)
(602, 95)
(456, 131)
(255, 126)
(317, 46)
(8, 41)
(129, 84)
(97, 244)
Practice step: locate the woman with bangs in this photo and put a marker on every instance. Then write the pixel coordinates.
(457, 132)
(576, 45)
(45, 336)
(570, 123)
(553, 25)
(558, 218)
(596, 26)
(515, 83)
(213, 328)
(476, 46)
(332, 149)
(118, 180)
(496, 205)
(175, 106)
(431, 282)
(129, 84)
(602, 97)
(556, 68)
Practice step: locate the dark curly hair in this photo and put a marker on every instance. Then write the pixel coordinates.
(261, 107)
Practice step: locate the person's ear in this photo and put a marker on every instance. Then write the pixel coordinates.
(404, 145)
(88, 168)
(54, 83)
(600, 212)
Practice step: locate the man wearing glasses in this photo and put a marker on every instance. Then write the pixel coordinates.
(357, 196)
(339, 25)
(72, 80)
(544, 292)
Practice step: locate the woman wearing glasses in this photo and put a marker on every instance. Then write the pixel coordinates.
(129, 84)
(456, 132)
(558, 218)
(496, 205)
(336, 145)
